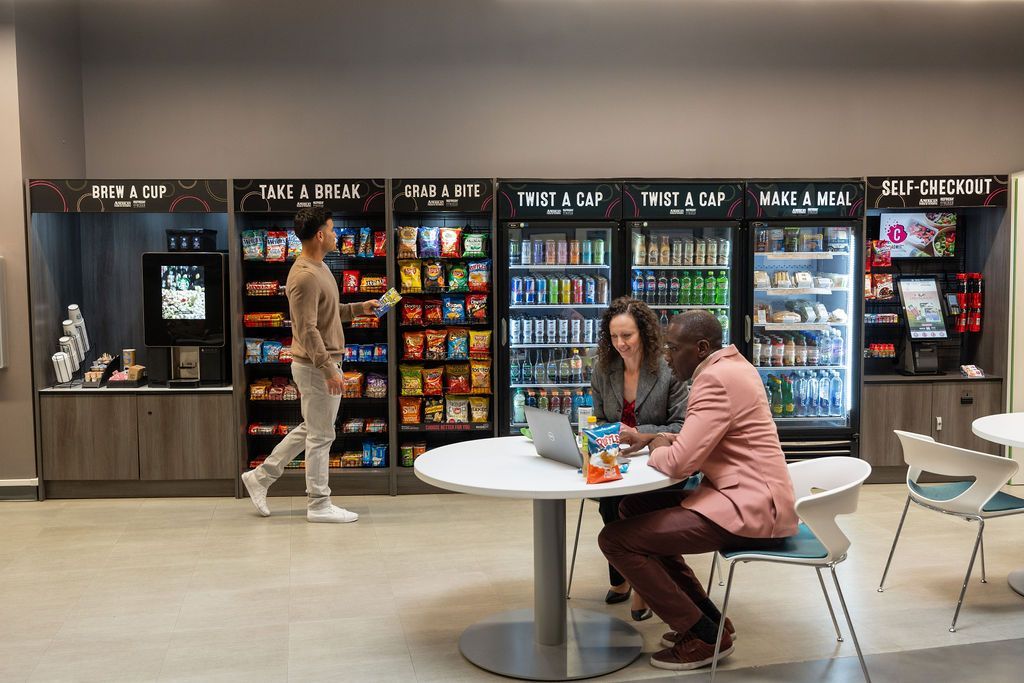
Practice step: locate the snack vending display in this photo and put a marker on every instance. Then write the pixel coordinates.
(805, 316)
(557, 273)
(269, 247)
(443, 246)
(683, 239)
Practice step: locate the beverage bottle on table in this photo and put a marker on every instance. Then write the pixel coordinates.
(722, 289)
(518, 406)
(685, 285)
(710, 285)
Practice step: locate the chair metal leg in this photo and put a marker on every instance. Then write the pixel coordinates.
(718, 560)
(892, 550)
(721, 622)
(967, 578)
(849, 624)
(828, 601)
(984, 579)
(714, 568)
(575, 546)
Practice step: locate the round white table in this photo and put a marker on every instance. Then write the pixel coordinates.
(549, 642)
(1006, 429)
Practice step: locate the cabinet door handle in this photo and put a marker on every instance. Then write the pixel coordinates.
(938, 424)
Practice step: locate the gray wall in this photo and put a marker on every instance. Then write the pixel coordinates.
(552, 88)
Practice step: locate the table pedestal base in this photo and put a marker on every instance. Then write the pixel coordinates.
(1016, 581)
(596, 644)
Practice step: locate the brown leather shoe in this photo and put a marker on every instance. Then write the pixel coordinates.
(673, 638)
(691, 653)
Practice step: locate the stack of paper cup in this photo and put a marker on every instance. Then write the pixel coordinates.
(68, 346)
(71, 331)
(63, 366)
(75, 315)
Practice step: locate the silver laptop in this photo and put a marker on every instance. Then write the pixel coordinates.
(553, 437)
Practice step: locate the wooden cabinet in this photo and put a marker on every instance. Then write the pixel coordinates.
(189, 436)
(943, 410)
(89, 438)
(143, 436)
(957, 405)
(888, 407)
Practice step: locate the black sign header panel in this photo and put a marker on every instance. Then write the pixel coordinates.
(675, 201)
(127, 196)
(805, 199)
(571, 201)
(352, 196)
(927, 192)
(461, 195)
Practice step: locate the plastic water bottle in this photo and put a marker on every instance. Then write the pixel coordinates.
(801, 394)
(662, 289)
(824, 349)
(723, 319)
(576, 363)
(824, 396)
(812, 395)
(519, 407)
(837, 348)
(837, 395)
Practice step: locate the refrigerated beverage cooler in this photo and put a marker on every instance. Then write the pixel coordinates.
(804, 323)
(560, 241)
(683, 246)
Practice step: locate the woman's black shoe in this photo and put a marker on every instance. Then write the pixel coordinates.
(613, 598)
(641, 614)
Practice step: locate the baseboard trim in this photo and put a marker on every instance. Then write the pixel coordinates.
(19, 482)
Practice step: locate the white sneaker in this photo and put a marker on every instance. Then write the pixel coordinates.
(331, 515)
(257, 493)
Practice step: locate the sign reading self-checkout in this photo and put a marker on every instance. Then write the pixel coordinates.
(126, 196)
(707, 201)
(363, 196)
(924, 192)
(805, 199)
(468, 195)
(587, 201)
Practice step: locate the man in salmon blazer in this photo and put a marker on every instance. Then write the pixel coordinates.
(745, 499)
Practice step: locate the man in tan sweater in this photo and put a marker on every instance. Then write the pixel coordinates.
(318, 347)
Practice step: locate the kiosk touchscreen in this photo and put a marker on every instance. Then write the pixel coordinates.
(921, 298)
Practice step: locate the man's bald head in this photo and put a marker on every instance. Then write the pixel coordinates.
(693, 326)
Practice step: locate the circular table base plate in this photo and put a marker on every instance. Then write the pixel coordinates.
(1016, 581)
(597, 644)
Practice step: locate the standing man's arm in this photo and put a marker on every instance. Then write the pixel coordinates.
(350, 311)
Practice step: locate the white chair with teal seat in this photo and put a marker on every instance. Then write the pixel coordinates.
(977, 498)
(825, 488)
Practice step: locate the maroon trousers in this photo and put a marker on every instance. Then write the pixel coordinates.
(647, 545)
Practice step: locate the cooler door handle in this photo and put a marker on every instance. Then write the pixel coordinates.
(938, 423)
(504, 332)
(747, 328)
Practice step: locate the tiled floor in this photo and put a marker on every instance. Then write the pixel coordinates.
(204, 590)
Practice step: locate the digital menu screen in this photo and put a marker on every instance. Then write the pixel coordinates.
(183, 292)
(919, 235)
(922, 306)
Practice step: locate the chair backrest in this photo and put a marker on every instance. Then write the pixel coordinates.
(826, 488)
(924, 454)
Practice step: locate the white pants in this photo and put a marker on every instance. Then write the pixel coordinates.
(314, 436)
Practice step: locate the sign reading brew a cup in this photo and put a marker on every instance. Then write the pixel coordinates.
(461, 195)
(353, 196)
(668, 200)
(569, 200)
(805, 199)
(128, 196)
(926, 192)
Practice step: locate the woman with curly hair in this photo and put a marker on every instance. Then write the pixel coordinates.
(633, 385)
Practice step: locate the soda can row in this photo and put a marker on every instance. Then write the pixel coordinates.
(539, 290)
(552, 330)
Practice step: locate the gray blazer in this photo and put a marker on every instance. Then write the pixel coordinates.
(660, 399)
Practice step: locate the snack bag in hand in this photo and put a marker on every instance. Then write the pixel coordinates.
(602, 453)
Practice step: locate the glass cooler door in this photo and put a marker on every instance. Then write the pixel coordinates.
(559, 283)
(803, 321)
